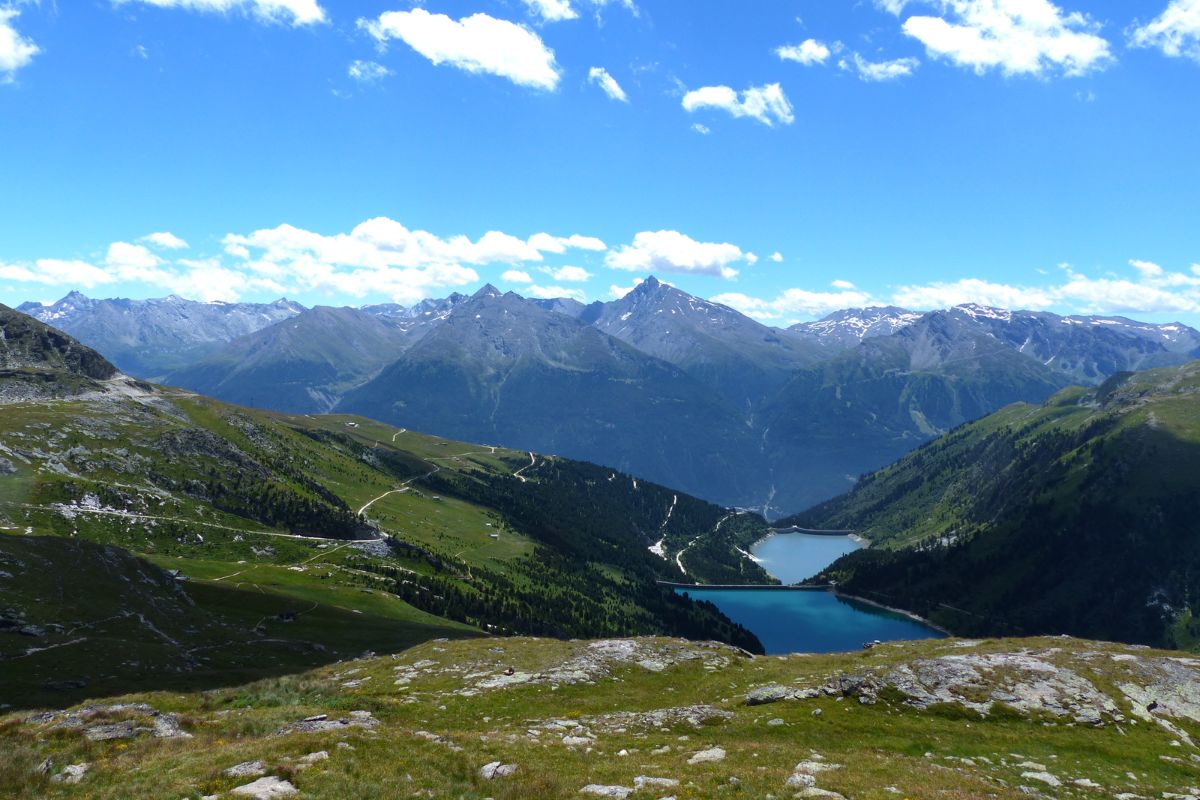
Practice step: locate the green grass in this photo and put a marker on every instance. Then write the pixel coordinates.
(917, 753)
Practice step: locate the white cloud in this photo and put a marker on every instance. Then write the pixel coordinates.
(555, 292)
(478, 44)
(16, 51)
(1155, 290)
(672, 251)
(131, 261)
(767, 104)
(617, 292)
(552, 10)
(559, 244)
(703, 130)
(297, 12)
(808, 52)
(516, 276)
(842, 285)
(1017, 37)
(777, 258)
(607, 83)
(972, 290)
(367, 71)
(794, 301)
(54, 272)
(380, 243)
(568, 274)
(165, 240)
(878, 71)
(1176, 31)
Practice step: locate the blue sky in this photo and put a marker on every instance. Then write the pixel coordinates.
(797, 157)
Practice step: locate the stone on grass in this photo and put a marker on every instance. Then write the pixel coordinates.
(246, 769)
(709, 756)
(1044, 777)
(644, 782)
(72, 774)
(494, 770)
(619, 792)
(267, 788)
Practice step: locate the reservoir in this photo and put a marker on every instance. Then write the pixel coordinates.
(808, 621)
(796, 557)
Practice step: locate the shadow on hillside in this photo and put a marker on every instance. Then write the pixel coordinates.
(84, 621)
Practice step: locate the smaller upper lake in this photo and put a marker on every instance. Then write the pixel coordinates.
(796, 557)
(808, 621)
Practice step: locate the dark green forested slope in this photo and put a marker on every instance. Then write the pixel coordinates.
(1079, 516)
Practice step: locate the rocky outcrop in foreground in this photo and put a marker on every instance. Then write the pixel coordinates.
(647, 719)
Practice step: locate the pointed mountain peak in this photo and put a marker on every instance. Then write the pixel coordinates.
(651, 282)
(75, 296)
(487, 291)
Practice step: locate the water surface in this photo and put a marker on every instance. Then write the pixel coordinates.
(816, 621)
(796, 557)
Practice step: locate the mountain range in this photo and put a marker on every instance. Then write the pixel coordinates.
(660, 383)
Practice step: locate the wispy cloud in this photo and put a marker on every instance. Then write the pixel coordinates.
(767, 104)
(607, 83)
(296, 12)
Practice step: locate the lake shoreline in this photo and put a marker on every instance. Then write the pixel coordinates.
(902, 612)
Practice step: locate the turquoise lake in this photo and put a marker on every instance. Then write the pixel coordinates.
(796, 557)
(800, 621)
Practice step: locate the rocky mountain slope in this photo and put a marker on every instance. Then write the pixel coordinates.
(644, 718)
(503, 369)
(872, 404)
(731, 354)
(301, 365)
(146, 338)
(842, 330)
(1079, 515)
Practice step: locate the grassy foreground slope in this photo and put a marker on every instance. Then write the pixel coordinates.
(1081, 515)
(645, 718)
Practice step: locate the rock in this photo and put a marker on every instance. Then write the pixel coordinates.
(72, 774)
(104, 733)
(768, 694)
(313, 758)
(321, 723)
(774, 723)
(166, 726)
(247, 769)
(813, 791)
(494, 770)
(266, 789)
(643, 782)
(45, 767)
(709, 756)
(800, 780)
(577, 741)
(620, 792)
(1044, 777)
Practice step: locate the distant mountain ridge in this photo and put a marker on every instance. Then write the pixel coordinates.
(146, 338)
(697, 395)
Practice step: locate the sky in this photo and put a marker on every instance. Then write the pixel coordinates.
(785, 157)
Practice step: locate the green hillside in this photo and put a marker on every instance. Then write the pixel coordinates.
(299, 540)
(1077, 516)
